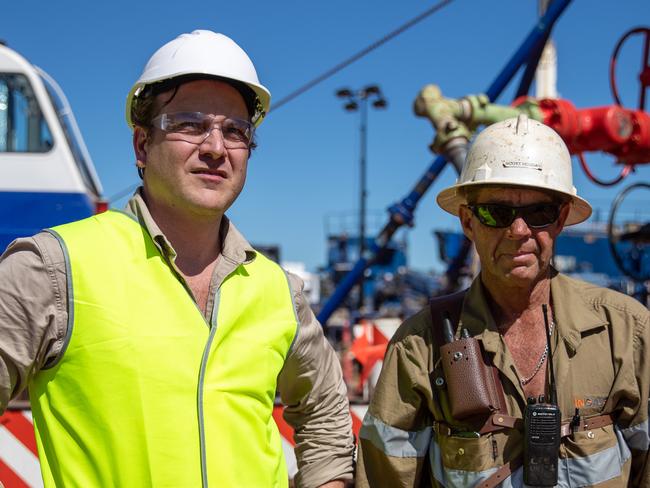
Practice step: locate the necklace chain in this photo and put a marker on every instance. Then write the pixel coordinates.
(525, 381)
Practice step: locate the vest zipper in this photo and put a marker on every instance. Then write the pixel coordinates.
(204, 362)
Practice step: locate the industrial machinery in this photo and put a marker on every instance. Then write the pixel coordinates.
(624, 133)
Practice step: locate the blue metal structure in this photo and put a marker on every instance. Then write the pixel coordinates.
(402, 213)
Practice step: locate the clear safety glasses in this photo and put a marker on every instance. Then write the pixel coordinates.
(195, 127)
(536, 216)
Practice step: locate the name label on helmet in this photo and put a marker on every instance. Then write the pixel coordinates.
(523, 165)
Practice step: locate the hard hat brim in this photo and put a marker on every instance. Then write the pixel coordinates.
(450, 199)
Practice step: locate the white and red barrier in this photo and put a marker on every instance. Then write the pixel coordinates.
(19, 467)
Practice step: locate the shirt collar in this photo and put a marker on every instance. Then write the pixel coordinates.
(234, 245)
(572, 314)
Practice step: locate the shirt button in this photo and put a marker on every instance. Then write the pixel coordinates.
(461, 451)
(591, 435)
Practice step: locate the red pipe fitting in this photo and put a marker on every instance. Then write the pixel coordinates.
(591, 129)
(637, 148)
(613, 129)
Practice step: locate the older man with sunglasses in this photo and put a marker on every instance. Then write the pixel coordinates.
(153, 340)
(466, 381)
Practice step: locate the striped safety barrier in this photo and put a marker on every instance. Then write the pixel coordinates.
(19, 467)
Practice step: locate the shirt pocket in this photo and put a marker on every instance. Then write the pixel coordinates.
(466, 453)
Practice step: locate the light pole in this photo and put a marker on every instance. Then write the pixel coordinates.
(358, 100)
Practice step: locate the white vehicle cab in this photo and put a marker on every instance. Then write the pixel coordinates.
(46, 174)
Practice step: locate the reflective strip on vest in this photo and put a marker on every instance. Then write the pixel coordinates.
(148, 393)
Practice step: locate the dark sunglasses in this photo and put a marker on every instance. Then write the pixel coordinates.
(536, 216)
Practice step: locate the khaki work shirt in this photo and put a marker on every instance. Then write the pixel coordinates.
(34, 322)
(601, 360)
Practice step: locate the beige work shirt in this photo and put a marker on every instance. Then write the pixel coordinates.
(34, 322)
(601, 360)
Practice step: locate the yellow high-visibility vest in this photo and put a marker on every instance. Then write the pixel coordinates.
(147, 393)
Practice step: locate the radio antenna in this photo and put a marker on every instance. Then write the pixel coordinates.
(447, 328)
(550, 355)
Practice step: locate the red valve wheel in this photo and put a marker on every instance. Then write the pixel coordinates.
(644, 75)
(627, 169)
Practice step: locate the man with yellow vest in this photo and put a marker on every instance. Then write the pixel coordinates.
(153, 340)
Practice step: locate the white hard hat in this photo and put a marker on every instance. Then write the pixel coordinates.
(518, 152)
(202, 52)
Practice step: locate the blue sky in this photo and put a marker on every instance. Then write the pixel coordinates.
(306, 166)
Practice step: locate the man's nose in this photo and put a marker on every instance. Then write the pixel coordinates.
(519, 228)
(213, 144)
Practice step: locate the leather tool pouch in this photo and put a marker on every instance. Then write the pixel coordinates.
(470, 381)
(473, 385)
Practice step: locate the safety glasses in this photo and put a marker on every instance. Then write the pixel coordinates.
(195, 127)
(536, 216)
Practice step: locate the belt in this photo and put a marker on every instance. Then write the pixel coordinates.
(586, 424)
(498, 421)
(502, 473)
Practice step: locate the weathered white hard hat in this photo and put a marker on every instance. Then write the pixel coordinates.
(518, 152)
(201, 52)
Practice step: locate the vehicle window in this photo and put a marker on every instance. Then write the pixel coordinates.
(22, 126)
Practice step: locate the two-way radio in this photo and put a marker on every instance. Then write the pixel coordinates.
(542, 430)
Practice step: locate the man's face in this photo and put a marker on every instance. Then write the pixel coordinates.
(200, 180)
(516, 255)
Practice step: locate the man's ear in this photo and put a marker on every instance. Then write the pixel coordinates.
(465, 217)
(140, 146)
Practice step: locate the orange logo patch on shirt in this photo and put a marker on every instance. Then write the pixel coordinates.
(589, 402)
